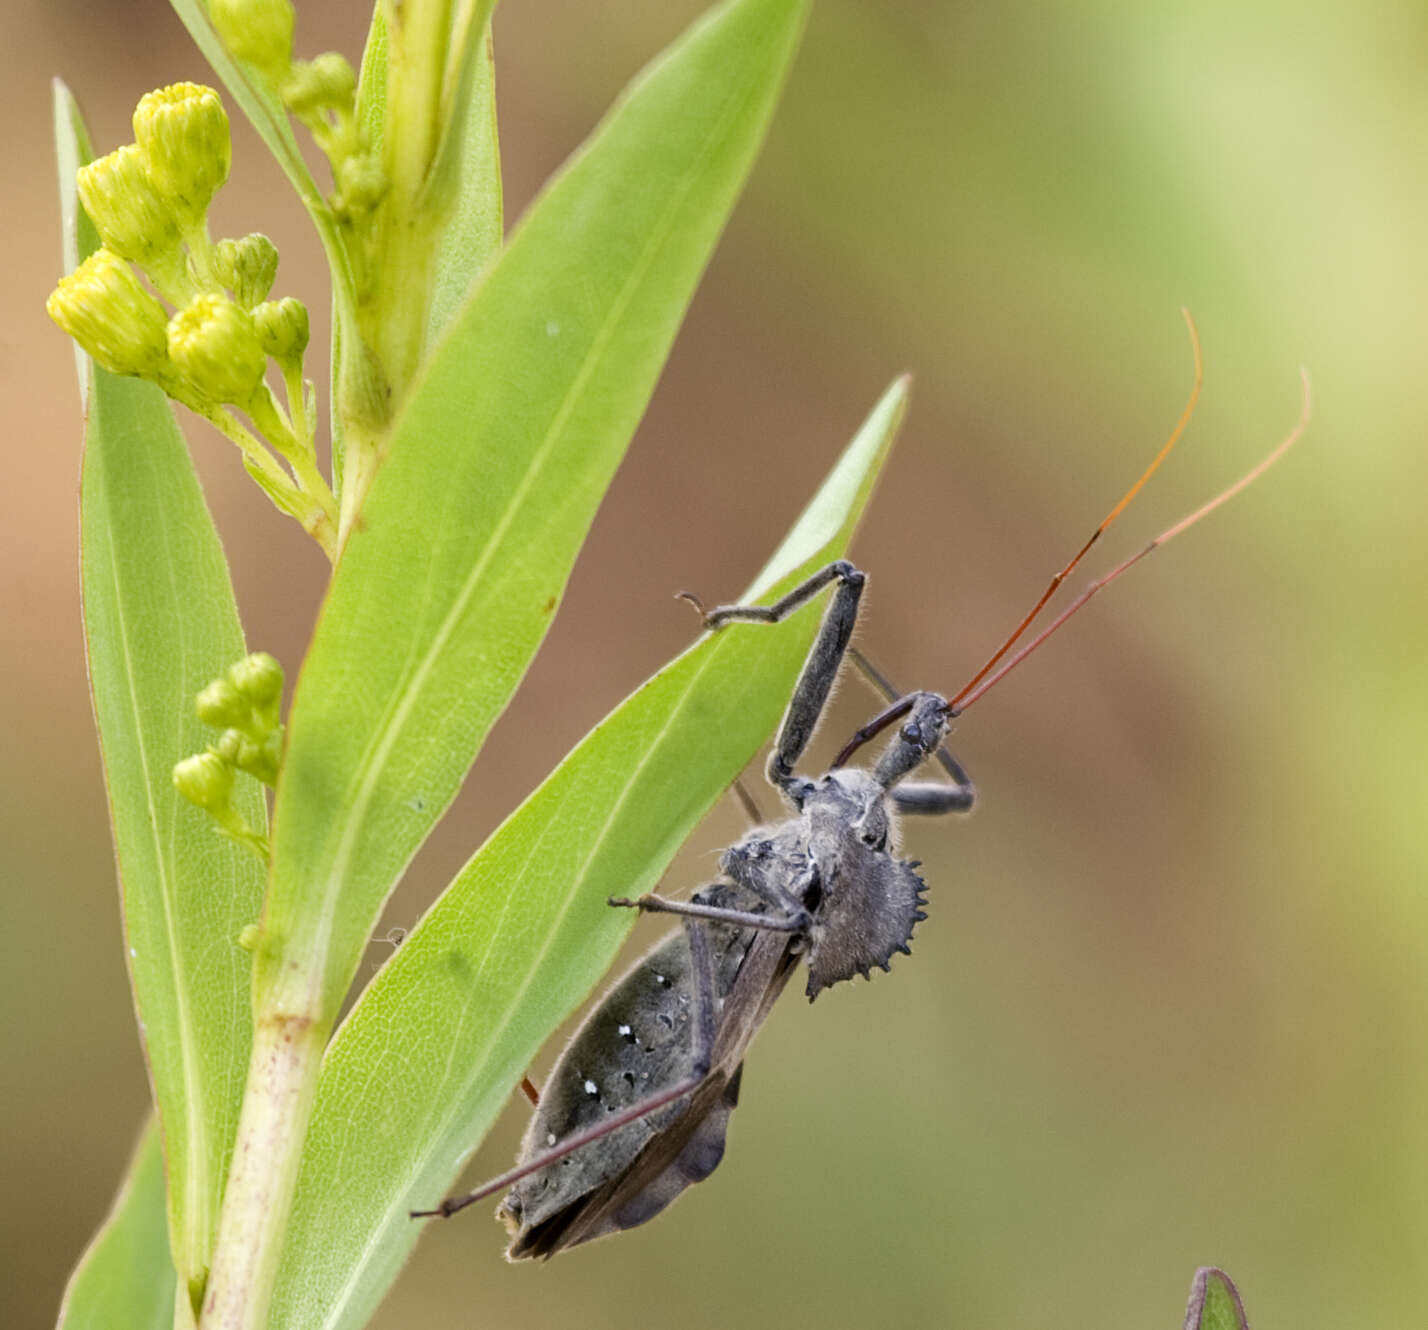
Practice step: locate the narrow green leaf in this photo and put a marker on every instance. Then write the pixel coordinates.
(468, 171)
(125, 1279)
(496, 467)
(372, 81)
(518, 940)
(160, 622)
(1214, 1302)
(78, 236)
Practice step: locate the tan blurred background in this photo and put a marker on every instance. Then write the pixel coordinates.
(1169, 1006)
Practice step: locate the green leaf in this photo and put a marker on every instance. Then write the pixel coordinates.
(1214, 1302)
(466, 177)
(518, 940)
(125, 1279)
(160, 622)
(507, 443)
(79, 239)
(468, 172)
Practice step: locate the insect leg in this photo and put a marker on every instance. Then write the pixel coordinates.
(704, 1025)
(771, 923)
(910, 748)
(704, 1018)
(932, 798)
(821, 667)
(569, 1146)
(748, 803)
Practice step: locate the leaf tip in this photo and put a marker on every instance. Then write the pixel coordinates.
(1214, 1301)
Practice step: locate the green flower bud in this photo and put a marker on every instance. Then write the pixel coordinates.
(259, 678)
(182, 131)
(230, 747)
(246, 267)
(222, 705)
(282, 329)
(205, 779)
(361, 182)
(260, 760)
(214, 346)
(259, 31)
(324, 84)
(106, 309)
(132, 217)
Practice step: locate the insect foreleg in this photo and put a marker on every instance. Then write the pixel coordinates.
(772, 923)
(821, 667)
(931, 798)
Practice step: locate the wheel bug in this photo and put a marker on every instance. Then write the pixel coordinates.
(637, 1107)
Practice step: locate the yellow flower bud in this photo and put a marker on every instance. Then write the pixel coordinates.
(106, 309)
(282, 329)
(182, 131)
(259, 31)
(246, 267)
(214, 346)
(205, 779)
(132, 218)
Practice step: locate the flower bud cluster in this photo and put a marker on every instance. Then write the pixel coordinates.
(149, 202)
(202, 328)
(244, 703)
(321, 93)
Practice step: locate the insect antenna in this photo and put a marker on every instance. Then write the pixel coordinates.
(990, 674)
(982, 682)
(1110, 517)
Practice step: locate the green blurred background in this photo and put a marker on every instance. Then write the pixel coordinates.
(1168, 1008)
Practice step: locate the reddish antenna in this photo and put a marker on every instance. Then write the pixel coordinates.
(981, 684)
(967, 691)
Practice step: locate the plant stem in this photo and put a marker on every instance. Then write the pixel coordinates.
(282, 1079)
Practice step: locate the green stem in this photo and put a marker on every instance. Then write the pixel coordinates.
(233, 429)
(171, 278)
(297, 404)
(310, 501)
(282, 1079)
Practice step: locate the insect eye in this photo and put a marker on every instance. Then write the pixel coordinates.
(877, 840)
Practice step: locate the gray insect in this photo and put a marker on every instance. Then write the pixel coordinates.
(637, 1107)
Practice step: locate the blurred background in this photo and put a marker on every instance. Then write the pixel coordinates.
(1169, 1005)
